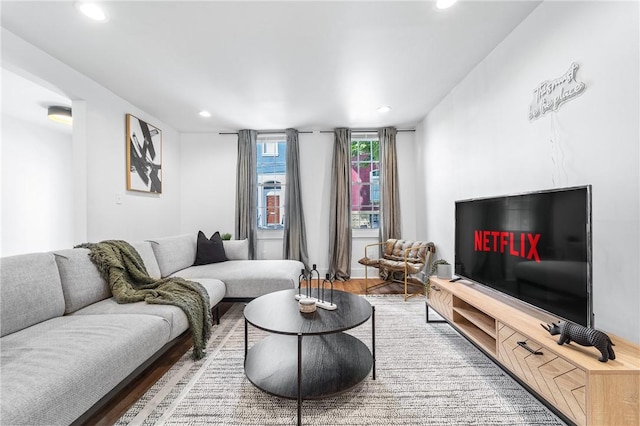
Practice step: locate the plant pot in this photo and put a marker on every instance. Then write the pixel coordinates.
(444, 272)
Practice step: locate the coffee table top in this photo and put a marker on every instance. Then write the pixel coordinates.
(278, 312)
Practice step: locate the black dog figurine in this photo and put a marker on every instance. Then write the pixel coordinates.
(583, 336)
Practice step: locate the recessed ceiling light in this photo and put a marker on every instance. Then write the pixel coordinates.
(91, 10)
(204, 113)
(384, 108)
(445, 4)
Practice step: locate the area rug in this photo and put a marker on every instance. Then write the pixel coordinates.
(427, 374)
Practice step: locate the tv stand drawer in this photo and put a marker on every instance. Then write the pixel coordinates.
(441, 301)
(555, 379)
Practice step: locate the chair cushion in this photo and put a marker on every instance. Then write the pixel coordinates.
(395, 250)
(369, 262)
(401, 256)
(395, 265)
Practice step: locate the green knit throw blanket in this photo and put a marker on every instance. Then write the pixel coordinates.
(122, 267)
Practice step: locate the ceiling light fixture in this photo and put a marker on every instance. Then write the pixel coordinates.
(91, 10)
(60, 114)
(205, 114)
(445, 4)
(384, 108)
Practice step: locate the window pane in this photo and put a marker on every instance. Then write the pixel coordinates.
(271, 170)
(365, 181)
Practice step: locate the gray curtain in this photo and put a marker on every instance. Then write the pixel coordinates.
(295, 235)
(340, 207)
(390, 221)
(246, 189)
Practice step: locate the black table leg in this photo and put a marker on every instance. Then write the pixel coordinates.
(373, 338)
(246, 340)
(299, 379)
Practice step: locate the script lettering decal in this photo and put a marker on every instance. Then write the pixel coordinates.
(550, 94)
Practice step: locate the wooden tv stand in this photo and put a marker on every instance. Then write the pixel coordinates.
(569, 378)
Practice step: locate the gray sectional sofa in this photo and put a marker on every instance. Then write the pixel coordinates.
(66, 344)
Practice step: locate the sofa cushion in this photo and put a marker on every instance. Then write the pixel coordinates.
(82, 283)
(173, 315)
(236, 249)
(215, 288)
(30, 291)
(54, 371)
(249, 278)
(174, 253)
(209, 250)
(148, 258)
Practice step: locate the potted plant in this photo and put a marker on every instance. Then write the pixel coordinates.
(226, 236)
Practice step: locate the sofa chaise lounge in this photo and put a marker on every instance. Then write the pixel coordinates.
(67, 346)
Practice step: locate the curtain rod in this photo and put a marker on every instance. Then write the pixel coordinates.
(368, 130)
(272, 132)
(267, 132)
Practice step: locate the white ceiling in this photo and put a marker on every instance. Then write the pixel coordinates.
(272, 65)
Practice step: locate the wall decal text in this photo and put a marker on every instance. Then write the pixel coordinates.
(550, 94)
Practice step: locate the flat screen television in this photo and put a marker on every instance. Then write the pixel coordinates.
(535, 247)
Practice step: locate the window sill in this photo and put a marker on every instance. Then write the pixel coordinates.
(364, 233)
(270, 234)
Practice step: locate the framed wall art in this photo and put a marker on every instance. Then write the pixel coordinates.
(144, 156)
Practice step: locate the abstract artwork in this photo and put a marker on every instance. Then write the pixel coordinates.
(144, 156)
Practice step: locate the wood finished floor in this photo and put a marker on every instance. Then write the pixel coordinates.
(113, 410)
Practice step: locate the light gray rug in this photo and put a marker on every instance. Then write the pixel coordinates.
(427, 374)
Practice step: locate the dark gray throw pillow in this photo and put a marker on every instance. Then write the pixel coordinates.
(209, 250)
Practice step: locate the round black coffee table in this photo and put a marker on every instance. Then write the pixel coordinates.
(325, 362)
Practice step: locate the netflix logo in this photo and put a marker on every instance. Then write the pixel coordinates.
(522, 244)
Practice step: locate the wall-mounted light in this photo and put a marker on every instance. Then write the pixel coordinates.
(60, 114)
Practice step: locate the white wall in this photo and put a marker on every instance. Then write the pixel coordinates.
(479, 142)
(208, 193)
(208, 183)
(37, 199)
(141, 215)
(316, 151)
(99, 169)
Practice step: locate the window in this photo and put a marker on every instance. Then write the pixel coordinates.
(269, 148)
(365, 180)
(272, 178)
